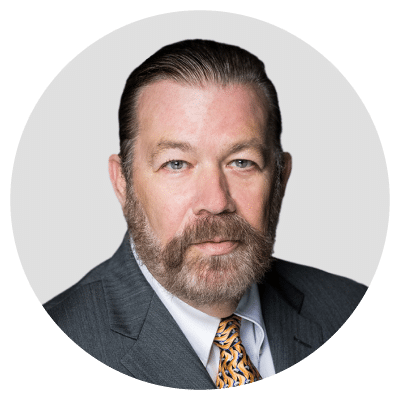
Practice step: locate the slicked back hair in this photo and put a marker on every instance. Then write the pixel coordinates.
(196, 63)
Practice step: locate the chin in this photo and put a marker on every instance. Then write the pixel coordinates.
(207, 280)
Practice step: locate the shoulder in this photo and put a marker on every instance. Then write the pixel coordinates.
(327, 299)
(82, 313)
(89, 282)
(75, 308)
(309, 279)
(114, 296)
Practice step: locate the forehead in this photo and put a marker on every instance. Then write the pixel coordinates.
(170, 110)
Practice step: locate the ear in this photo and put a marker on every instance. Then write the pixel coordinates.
(287, 169)
(117, 178)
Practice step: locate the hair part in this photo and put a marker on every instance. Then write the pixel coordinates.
(196, 63)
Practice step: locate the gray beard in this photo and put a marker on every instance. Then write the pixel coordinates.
(198, 279)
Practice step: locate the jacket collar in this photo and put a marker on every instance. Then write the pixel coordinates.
(127, 292)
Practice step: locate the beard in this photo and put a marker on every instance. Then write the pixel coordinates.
(197, 278)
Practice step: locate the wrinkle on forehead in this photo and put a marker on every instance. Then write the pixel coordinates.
(176, 106)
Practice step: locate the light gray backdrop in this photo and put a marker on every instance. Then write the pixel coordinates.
(66, 218)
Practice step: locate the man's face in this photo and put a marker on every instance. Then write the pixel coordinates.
(201, 186)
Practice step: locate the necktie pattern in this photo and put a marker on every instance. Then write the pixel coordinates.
(235, 367)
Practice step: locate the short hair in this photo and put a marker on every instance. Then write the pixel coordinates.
(195, 62)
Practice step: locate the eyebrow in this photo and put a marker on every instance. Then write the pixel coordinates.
(169, 144)
(254, 143)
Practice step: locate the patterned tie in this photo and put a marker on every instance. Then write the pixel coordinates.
(235, 367)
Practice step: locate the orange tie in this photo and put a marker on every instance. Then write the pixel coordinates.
(235, 367)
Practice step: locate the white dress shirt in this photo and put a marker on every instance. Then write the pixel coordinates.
(200, 328)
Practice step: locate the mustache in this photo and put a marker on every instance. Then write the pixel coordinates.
(222, 227)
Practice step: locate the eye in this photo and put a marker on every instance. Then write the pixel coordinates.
(242, 164)
(175, 165)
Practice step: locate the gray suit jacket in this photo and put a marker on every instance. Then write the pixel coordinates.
(114, 315)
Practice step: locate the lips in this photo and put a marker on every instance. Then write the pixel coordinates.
(215, 240)
(217, 246)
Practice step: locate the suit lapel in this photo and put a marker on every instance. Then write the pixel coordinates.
(161, 354)
(291, 336)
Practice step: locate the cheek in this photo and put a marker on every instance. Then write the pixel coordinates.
(251, 202)
(165, 209)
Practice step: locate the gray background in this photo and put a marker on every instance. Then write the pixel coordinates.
(66, 218)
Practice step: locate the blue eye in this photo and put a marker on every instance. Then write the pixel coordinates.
(243, 163)
(175, 164)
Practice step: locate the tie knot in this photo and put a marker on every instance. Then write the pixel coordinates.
(228, 332)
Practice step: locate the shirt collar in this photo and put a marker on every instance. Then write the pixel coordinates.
(249, 307)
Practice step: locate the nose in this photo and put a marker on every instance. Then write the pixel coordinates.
(212, 193)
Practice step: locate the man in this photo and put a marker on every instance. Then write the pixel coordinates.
(193, 297)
